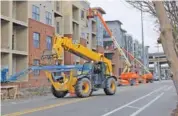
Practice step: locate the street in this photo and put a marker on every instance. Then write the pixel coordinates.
(152, 99)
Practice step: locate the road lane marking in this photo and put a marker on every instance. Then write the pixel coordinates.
(121, 107)
(46, 107)
(133, 107)
(147, 105)
(167, 89)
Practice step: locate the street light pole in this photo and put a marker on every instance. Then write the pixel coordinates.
(159, 76)
(143, 50)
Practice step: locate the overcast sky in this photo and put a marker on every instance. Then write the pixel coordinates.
(130, 17)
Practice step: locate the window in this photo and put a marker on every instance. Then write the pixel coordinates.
(13, 42)
(35, 13)
(108, 43)
(36, 40)
(108, 55)
(48, 18)
(105, 34)
(49, 42)
(57, 28)
(36, 62)
(82, 14)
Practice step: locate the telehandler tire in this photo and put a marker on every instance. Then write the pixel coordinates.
(83, 88)
(110, 86)
(58, 94)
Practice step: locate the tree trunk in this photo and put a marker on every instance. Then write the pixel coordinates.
(167, 40)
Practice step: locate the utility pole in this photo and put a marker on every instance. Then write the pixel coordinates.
(159, 70)
(142, 31)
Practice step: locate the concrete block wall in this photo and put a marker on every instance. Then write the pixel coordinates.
(14, 35)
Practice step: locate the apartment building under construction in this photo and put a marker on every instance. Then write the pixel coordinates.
(14, 35)
(27, 28)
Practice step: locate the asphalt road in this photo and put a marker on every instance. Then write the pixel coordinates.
(153, 99)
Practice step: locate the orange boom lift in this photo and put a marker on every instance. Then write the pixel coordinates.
(127, 77)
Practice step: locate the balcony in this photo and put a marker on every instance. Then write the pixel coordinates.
(19, 63)
(75, 35)
(93, 27)
(5, 34)
(4, 59)
(58, 9)
(19, 38)
(75, 13)
(5, 6)
(94, 42)
(20, 11)
(58, 25)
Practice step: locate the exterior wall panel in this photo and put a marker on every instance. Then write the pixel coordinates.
(35, 53)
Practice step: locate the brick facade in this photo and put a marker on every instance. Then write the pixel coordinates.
(117, 63)
(100, 49)
(35, 53)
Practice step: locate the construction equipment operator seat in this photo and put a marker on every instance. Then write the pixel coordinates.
(97, 68)
(98, 73)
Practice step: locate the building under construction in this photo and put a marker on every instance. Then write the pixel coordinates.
(27, 28)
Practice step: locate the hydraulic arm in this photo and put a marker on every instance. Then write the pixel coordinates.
(49, 68)
(93, 13)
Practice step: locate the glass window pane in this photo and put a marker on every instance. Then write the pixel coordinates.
(33, 15)
(37, 10)
(36, 39)
(46, 14)
(49, 42)
(33, 8)
(49, 15)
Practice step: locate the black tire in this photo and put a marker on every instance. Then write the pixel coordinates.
(132, 82)
(147, 81)
(109, 90)
(83, 88)
(58, 94)
(151, 81)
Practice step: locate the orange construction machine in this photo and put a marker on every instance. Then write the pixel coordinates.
(127, 77)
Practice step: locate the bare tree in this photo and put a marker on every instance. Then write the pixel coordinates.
(148, 7)
(166, 13)
(171, 11)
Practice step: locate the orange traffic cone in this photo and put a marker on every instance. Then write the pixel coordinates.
(137, 82)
